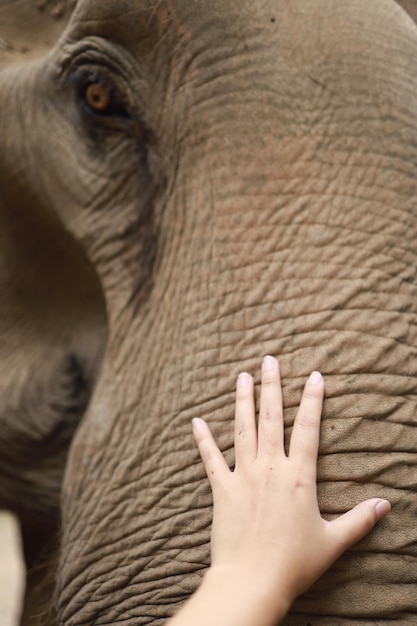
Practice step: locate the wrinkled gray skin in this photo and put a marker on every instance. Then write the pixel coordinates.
(52, 338)
(250, 188)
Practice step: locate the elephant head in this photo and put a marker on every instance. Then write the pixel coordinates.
(52, 328)
(235, 178)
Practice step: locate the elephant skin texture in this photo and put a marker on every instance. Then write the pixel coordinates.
(184, 187)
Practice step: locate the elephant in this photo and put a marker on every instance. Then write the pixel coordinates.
(183, 186)
(52, 338)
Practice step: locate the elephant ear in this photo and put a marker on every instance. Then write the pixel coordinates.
(30, 28)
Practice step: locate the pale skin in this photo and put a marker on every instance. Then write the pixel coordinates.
(269, 542)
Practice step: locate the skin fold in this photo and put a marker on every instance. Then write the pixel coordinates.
(245, 182)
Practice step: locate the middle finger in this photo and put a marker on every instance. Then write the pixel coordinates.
(271, 420)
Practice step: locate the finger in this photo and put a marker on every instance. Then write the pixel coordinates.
(271, 420)
(304, 444)
(213, 460)
(245, 422)
(356, 523)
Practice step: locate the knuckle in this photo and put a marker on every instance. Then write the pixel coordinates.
(305, 421)
(269, 379)
(268, 414)
(312, 392)
(243, 430)
(302, 481)
(368, 520)
(244, 393)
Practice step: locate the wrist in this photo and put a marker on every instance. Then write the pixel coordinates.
(257, 597)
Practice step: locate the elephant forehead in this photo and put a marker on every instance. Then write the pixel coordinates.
(255, 53)
(322, 26)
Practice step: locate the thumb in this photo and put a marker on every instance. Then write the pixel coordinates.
(358, 522)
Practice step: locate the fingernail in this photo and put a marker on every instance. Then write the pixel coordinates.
(197, 424)
(243, 380)
(382, 508)
(269, 363)
(315, 378)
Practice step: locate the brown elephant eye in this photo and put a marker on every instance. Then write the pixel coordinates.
(101, 98)
(98, 97)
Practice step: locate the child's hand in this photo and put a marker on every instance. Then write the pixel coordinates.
(267, 529)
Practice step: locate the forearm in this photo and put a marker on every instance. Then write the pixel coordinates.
(231, 601)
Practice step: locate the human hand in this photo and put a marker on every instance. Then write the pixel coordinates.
(267, 528)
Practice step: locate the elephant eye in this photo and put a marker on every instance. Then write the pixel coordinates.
(97, 97)
(102, 99)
